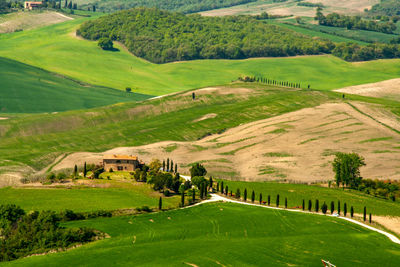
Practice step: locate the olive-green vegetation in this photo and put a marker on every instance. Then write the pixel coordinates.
(184, 6)
(224, 234)
(27, 89)
(36, 232)
(161, 36)
(54, 48)
(386, 7)
(295, 194)
(84, 199)
(37, 139)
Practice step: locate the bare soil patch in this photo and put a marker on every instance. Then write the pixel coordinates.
(205, 117)
(30, 20)
(3, 118)
(387, 89)
(297, 146)
(391, 223)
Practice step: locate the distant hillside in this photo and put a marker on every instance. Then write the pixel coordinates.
(161, 36)
(185, 6)
(27, 89)
(386, 7)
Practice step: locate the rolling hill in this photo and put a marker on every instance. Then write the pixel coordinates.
(28, 89)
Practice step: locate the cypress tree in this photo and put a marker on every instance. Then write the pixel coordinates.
(365, 213)
(253, 196)
(226, 190)
(260, 198)
(285, 202)
(167, 165)
(75, 171)
(84, 170)
(324, 208)
(194, 195)
(176, 167)
(172, 166)
(316, 205)
(370, 218)
(351, 211)
(70, 5)
(211, 181)
(332, 207)
(245, 195)
(304, 205)
(160, 204)
(309, 205)
(231, 192)
(222, 187)
(65, 4)
(217, 186)
(345, 209)
(238, 193)
(277, 200)
(94, 8)
(183, 199)
(163, 165)
(338, 207)
(269, 200)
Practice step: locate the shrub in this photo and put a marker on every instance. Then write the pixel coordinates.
(167, 193)
(105, 43)
(324, 208)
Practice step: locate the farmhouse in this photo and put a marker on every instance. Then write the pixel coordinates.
(121, 163)
(31, 5)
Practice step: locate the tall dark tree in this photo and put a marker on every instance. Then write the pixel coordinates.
(160, 204)
(65, 3)
(176, 167)
(70, 5)
(370, 218)
(94, 8)
(253, 196)
(75, 6)
(285, 202)
(211, 182)
(345, 209)
(304, 205)
(193, 195)
(269, 200)
(222, 187)
(260, 198)
(217, 187)
(168, 166)
(163, 165)
(277, 200)
(183, 198)
(84, 170)
(365, 214)
(351, 211)
(338, 207)
(237, 193)
(172, 166)
(226, 190)
(316, 205)
(245, 195)
(324, 208)
(309, 205)
(75, 171)
(332, 207)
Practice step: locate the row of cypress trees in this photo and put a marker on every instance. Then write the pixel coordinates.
(270, 81)
(324, 206)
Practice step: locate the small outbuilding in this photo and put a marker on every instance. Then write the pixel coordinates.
(31, 5)
(121, 163)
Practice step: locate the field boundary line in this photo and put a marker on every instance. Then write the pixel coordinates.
(216, 198)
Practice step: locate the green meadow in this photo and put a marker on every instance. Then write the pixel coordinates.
(56, 49)
(27, 89)
(225, 234)
(295, 193)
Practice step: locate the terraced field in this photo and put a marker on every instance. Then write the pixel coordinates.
(225, 234)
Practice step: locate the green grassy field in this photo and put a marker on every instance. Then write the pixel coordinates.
(54, 48)
(27, 89)
(83, 198)
(37, 139)
(228, 235)
(295, 193)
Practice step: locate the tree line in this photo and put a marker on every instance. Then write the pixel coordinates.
(161, 36)
(386, 7)
(23, 234)
(270, 81)
(354, 22)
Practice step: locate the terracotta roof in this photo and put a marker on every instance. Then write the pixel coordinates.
(123, 157)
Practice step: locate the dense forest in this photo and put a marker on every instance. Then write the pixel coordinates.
(161, 36)
(386, 8)
(354, 22)
(355, 52)
(23, 234)
(184, 6)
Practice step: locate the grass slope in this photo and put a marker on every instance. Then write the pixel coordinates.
(226, 234)
(295, 193)
(27, 89)
(56, 49)
(37, 139)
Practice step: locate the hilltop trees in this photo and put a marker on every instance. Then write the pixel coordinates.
(347, 169)
(197, 170)
(105, 43)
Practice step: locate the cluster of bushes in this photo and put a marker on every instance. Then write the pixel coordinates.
(354, 22)
(386, 7)
(385, 189)
(161, 36)
(356, 52)
(269, 81)
(184, 6)
(23, 234)
(308, 4)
